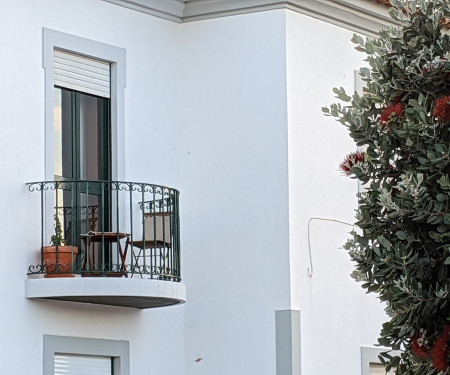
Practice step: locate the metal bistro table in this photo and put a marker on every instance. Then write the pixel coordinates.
(106, 237)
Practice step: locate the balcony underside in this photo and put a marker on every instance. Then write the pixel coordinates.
(133, 292)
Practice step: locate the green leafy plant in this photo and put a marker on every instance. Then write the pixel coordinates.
(57, 239)
(402, 126)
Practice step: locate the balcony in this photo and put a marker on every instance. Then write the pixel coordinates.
(107, 242)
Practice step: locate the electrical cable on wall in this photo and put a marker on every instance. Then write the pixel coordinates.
(310, 268)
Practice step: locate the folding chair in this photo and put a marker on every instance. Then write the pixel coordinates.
(151, 254)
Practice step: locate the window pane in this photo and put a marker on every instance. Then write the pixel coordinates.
(93, 134)
(81, 142)
(68, 364)
(63, 134)
(57, 112)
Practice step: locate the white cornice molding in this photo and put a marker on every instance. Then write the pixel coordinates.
(171, 10)
(363, 16)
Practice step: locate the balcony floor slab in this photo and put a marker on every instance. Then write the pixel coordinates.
(125, 292)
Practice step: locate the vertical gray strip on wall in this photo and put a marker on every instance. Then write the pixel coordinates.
(288, 342)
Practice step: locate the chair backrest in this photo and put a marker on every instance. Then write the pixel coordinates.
(157, 228)
(86, 225)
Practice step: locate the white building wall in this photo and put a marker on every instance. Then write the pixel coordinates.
(337, 317)
(235, 192)
(156, 336)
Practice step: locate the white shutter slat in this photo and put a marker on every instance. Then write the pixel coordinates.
(81, 73)
(68, 364)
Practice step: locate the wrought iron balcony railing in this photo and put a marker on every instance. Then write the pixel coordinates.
(108, 228)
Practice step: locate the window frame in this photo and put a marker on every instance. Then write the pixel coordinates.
(117, 349)
(116, 57)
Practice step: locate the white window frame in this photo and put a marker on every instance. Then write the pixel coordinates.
(116, 57)
(117, 349)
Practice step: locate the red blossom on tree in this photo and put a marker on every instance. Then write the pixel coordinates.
(440, 351)
(350, 160)
(442, 109)
(419, 347)
(391, 113)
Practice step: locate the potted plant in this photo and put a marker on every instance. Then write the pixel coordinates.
(58, 258)
(402, 126)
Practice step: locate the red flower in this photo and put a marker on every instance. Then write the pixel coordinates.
(419, 347)
(391, 113)
(397, 99)
(442, 109)
(440, 351)
(350, 160)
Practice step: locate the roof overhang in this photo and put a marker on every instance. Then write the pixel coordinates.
(364, 16)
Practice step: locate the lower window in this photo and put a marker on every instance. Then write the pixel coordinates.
(70, 364)
(370, 363)
(378, 369)
(81, 356)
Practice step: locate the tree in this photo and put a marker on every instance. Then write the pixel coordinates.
(401, 124)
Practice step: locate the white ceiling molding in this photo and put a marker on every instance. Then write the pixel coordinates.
(364, 16)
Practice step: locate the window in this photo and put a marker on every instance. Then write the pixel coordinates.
(82, 140)
(82, 152)
(81, 117)
(96, 71)
(82, 136)
(378, 369)
(81, 356)
(69, 364)
(370, 364)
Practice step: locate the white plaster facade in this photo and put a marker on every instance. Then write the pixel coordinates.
(227, 110)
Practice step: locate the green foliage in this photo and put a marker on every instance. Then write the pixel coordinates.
(402, 247)
(57, 239)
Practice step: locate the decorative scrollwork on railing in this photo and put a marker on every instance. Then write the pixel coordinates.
(36, 269)
(153, 272)
(162, 204)
(42, 186)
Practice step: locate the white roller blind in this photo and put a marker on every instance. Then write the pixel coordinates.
(81, 73)
(378, 369)
(69, 364)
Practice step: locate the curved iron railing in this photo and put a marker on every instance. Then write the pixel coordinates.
(108, 228)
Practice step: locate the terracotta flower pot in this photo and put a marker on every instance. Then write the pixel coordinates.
(66, 258)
